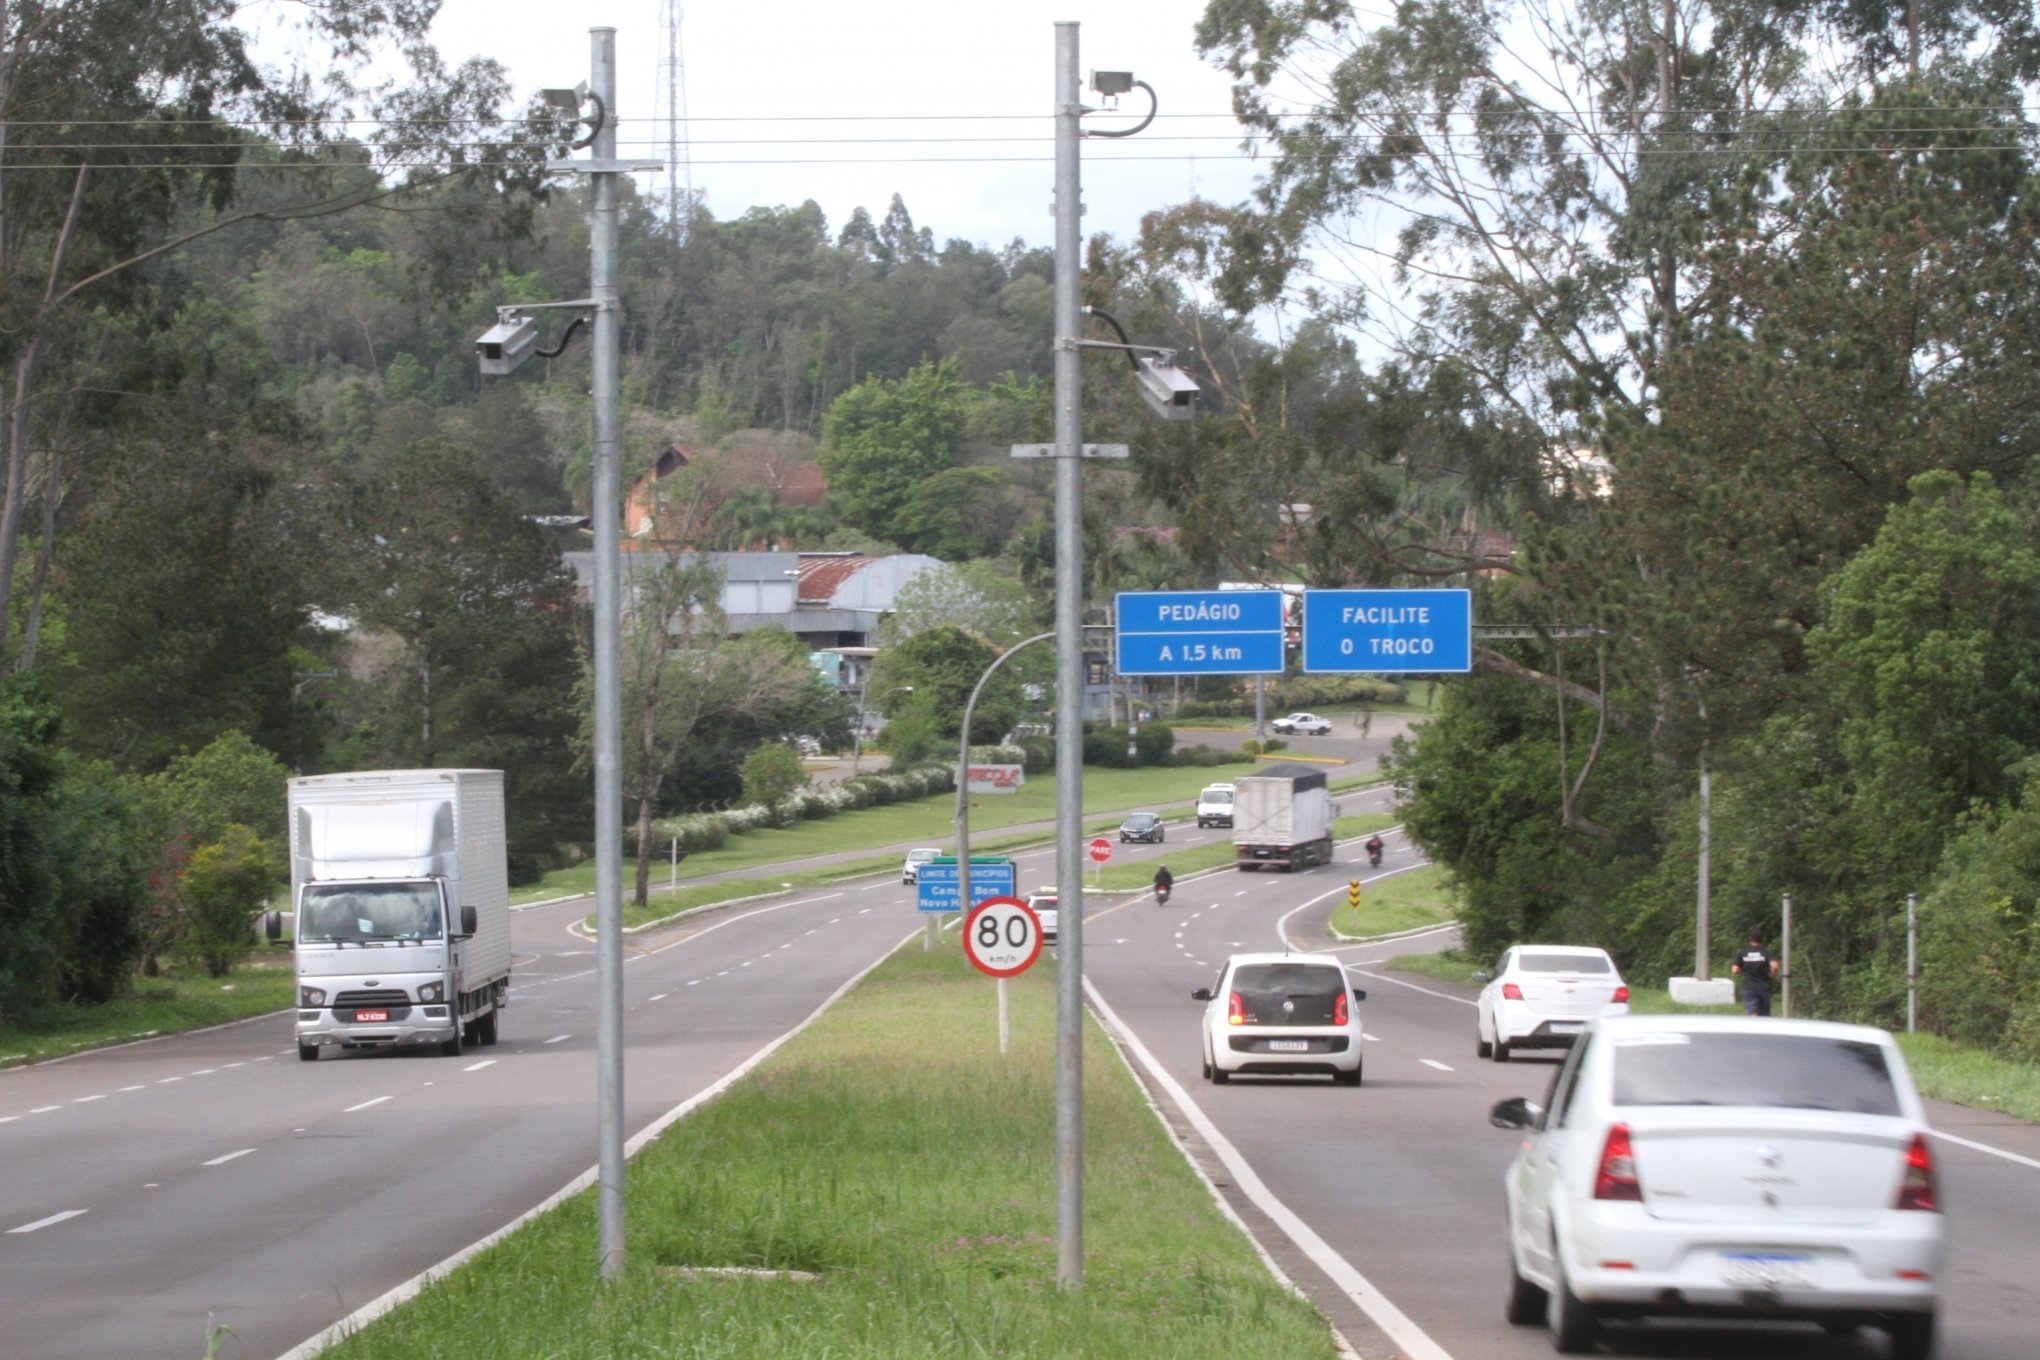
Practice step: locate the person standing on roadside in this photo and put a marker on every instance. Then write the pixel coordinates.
(1758, 969)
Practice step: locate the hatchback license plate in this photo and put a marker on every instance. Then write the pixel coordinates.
(371, 1017)
(1565, 1027)
(1766, 1269)
(1289, 1045)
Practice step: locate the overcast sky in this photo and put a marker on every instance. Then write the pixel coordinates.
(949, 103)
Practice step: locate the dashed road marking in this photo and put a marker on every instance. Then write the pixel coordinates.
(365, 1104)
(46, 1222)
(222, 1161)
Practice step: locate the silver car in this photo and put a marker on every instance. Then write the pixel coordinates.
(1725, 1166)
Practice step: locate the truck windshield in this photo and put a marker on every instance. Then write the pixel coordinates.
(364, 913)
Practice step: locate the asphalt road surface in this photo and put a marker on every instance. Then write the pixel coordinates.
(150, 1191)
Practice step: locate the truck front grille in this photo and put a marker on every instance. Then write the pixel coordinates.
(384, 996)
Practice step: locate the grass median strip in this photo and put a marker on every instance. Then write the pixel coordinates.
(895, 1156)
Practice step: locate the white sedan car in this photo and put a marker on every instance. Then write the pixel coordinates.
(1281, 1015)
(1541, 995)
(1301, 724)
(1725, 1166)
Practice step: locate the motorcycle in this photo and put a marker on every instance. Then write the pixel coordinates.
(1374, 857)
(1162, 894)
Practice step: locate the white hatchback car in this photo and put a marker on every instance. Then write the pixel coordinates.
(910, 868)
(1725, 1166)
(1281, 1014)
(1043, 905)
(1541, 995)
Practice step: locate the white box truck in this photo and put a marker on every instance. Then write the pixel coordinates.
(1282, 817)
(400, 892)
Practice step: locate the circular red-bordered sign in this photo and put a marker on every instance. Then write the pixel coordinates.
(1101, 850)
(1002, 937)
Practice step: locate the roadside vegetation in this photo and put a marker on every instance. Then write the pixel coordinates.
(906, 1169)
(182, 998)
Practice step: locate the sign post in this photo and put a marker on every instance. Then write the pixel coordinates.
(1002, 938)
(1099, 850)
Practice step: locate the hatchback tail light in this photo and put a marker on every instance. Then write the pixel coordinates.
(1511, 992)
(1617, 1177)
(1916, 1191)
(1339, 1012)
(1621, 997)
(1235, 1009)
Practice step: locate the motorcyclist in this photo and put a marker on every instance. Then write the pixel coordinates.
(1374, 849)
(1165, 882)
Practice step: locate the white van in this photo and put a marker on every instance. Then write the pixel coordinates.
(1214, 805)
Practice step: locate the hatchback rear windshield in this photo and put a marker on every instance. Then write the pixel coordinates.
(1785, 1071)
(1289, 979)
(1563, 963)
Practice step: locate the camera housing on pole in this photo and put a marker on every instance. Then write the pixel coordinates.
(1168, 389)
(503, 348)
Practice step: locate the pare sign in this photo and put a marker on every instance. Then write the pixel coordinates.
(996, 778)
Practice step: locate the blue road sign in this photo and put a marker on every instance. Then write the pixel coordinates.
(937, 882)
(1378, 632)
(1200, 632)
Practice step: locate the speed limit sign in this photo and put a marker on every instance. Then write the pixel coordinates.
(1002, 937)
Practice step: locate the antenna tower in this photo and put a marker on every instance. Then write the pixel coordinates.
(672, 98)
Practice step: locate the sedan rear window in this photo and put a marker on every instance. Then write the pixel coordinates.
(1531, 962)
(1782, 1071)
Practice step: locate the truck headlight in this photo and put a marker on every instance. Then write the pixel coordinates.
(432, 991)
(311, 996)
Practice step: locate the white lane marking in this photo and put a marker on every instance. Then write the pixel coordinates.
(1416, 1344)
(1372, 1038)
(238, 1064)
(8, 1118)
(812, 931)
(205, 1071)
(365, 1104)
(862, 911)
(134, 1088)
(1433, 1062)
(1241, 893)
(834, 919)
(694, 982)
(745, 964)
(1986, 1147)
(46, 1222)
(87, 1100)
(662, 996)
(724, 973)
(1383, 977)
(476, 1067)
(559, 1038)
(167, 1080)
(222, 1161)
(45, 1109)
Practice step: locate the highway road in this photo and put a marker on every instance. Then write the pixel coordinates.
(1397, 1185)
(150, 1191)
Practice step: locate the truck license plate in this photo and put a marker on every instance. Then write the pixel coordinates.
(1766, 1269)
(371, 1017)
(1289, 1045)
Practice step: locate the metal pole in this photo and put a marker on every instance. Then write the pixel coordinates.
(1703, 924)
(1912, 964)
(1260, 706)
(1069, 642)
(1785, 959)
(604, 510)
(1005, 1023)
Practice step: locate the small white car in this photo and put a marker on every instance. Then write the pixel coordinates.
(1214, 805)
(1281, 1015)
(1301, 724)
(1718, 1165)
(910, 872)
(1043, 905)
(1542, 995)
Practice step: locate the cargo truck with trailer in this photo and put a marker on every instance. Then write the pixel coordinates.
(400, 896)
(1282, 818)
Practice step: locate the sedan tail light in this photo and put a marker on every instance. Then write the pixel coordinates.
(1916, 1191)
(1339, 1012)
(1235, 1009)
(1617, 1177)
(1621, 997)
(1511, 992)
